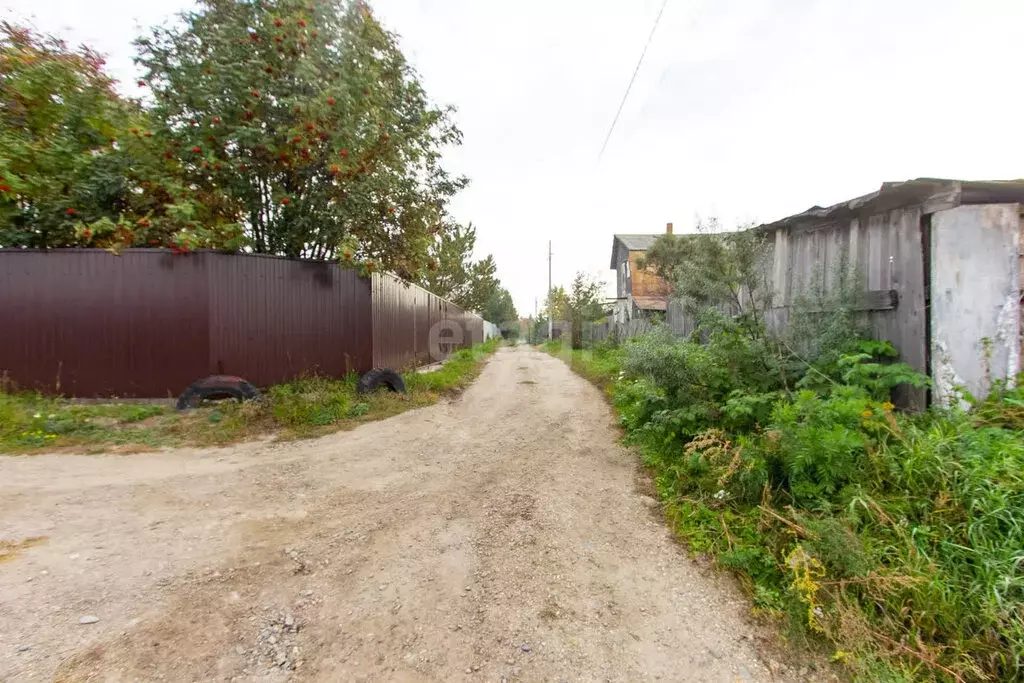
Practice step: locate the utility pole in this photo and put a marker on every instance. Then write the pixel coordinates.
(551, 317)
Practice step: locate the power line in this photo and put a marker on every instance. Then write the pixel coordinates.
(635, 72)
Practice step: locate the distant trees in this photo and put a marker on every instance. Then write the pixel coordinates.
(282, 126)
(582, 303)
(500, 309)
(452, 273)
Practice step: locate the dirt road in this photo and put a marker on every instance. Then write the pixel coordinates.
(501, 536)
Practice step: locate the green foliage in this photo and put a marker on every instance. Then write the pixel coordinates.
(79, 164)
(29, 420)
(314, 401)
(897, 538)
(304, 122)
(714, 269)
(823, 320)
(732, 377)
(580, 305)
(864, 363)
(1004, 406)
(60, 163)
(456, 373)
(289, 127)
(500, 309)
(453, 274)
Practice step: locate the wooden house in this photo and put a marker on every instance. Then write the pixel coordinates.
(638, 291)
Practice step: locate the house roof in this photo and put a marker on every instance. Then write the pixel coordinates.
(933, 194)
(632, 243)
(637, 242)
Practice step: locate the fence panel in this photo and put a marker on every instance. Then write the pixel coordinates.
(404, 317)
(86, 322)
(272, 319)
(884, 249)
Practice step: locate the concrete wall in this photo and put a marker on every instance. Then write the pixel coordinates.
(975, 298)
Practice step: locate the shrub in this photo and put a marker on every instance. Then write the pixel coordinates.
(896, 537)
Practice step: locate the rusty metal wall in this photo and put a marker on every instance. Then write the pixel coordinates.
(85, 322)
(404, 316)
(147, 323)
(272, 319)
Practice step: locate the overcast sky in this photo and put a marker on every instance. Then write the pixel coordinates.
(748, 110)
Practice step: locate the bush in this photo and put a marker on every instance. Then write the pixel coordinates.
(895, 537)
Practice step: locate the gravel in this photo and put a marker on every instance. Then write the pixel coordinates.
(521, 493)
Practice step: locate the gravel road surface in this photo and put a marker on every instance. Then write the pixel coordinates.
(502, 536)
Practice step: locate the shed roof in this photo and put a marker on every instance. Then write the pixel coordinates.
(933, 194)
(651, 303)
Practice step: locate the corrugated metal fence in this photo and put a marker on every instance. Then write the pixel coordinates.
(412, 326)
(147, 323)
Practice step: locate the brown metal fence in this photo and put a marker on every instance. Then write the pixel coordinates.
(147, 323)
(412, 326)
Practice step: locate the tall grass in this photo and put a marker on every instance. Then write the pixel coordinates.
(897, 539)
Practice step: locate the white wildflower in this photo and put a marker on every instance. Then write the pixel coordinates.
(37, 416)
(720, 495)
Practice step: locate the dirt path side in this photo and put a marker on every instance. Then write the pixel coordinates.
(502, 536)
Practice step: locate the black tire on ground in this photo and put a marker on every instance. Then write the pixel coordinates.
(217, 387)
(381, 377)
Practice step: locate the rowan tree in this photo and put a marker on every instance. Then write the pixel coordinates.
(77, 160)
(302, 122)
(59, 122)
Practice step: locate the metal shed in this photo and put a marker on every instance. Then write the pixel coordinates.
(940, 262)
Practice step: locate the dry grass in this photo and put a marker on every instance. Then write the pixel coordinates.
(10, 549)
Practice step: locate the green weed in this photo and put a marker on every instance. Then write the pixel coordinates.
(894, 538)
(306, 407)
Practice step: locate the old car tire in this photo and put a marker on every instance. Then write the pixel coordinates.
(217, 387)
(381, 377)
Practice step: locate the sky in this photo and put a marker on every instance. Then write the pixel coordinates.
(744, 110)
